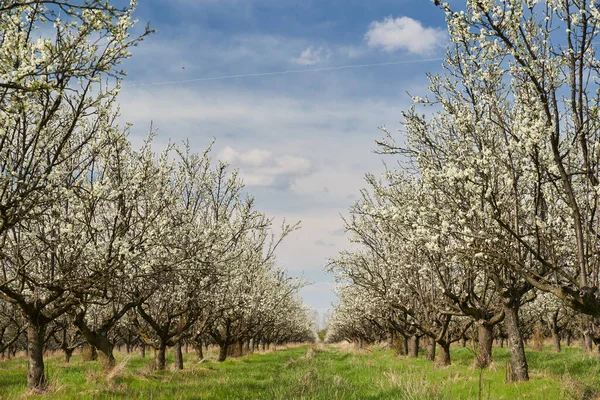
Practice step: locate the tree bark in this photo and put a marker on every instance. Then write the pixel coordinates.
(485, 334)
(223, 351)
(199, 352)
(401, 345)
(100, 342)
(414, 347)
(159, 357)
(36, 380)
(519, 369)
(443, 357)
(68, 354)
(556, 341)
(431, 349)
(587, 342)
(404, 345)
(143, 350)
(178, 355)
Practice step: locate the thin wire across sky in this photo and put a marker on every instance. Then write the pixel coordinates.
(286, 72)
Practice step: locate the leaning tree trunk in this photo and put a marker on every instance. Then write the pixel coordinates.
(199, 352)
(159, 357)
(485, 334)
(100, 341)
(430, 349)
(178, 355)
(518, 363)
(36, 380)
(106, 353)
(414, 347)
(443, 357)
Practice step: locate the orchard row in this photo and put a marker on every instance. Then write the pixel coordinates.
(105, 244)
(489, 226)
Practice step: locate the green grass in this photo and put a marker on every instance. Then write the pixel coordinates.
(322, 372)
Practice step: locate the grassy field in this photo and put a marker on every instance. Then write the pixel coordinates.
(319, 372)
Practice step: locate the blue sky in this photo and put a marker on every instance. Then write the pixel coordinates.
(302, 141)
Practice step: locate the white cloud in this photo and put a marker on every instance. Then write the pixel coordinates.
(260, 168)
(254, 157)
(405, 33)
(352, 52)
(312, 56)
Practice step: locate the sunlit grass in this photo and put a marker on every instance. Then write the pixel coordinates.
(320, 372)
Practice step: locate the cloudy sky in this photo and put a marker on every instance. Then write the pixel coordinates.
(304, 138)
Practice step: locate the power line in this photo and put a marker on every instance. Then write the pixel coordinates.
(291, 71)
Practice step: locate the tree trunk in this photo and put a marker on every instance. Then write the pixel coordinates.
(414, 347)
(401, 345)
(107, 357)
(178, 355)
(143, 350)
(100, 342)
(556, 341)
(443, 357)
(463, 342)
(587, 342)
(430, 349)
(501, 341)
(404, 345)
(568, 338)
(89, 353)
(485, 334)
(518, 363)
(223, 351)
(199, 352)
(68, 354)
(159, 357)
(36, 380)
